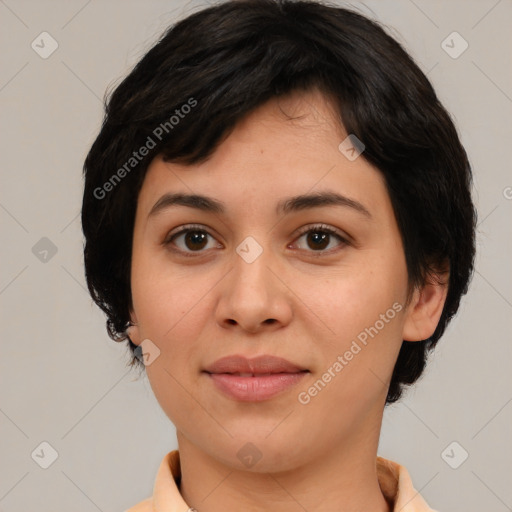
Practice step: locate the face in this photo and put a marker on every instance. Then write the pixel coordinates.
(321, 284)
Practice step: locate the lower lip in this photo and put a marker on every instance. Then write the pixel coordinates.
(255, 389)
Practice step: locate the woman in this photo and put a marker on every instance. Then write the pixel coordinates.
(278, 217)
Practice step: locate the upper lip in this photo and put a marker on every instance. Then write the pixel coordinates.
(257, 365)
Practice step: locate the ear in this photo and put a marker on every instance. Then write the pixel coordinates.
(133, 329)
(424, 310)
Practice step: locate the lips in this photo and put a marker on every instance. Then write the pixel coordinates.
(261, 365)
(256, 379)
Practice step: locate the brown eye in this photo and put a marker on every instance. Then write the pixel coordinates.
(320, 238)
(190, 240)
(195, 240)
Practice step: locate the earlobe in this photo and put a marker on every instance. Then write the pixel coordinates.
(133, 330)
(425, 309)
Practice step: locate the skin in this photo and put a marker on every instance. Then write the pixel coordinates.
(295, 301)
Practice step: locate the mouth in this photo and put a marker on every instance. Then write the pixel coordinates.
(254, 379)
(260, 365)
(255, 387)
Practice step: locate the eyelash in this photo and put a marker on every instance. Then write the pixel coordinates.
(322, 228)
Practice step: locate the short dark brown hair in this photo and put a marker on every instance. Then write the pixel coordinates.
(228, 59)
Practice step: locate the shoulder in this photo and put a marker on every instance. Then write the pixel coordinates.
(143, 506)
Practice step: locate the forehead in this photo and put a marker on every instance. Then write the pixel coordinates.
(288, 146)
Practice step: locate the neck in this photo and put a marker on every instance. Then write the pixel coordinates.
(342, 479)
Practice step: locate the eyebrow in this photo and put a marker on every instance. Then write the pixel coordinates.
(291, 204)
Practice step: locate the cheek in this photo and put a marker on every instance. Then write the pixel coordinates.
(172, 312)
(168, 300)
(348, 303)
(172, 309)
(361, 313)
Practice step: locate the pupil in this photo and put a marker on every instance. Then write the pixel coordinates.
(195, 237)
(322, 238)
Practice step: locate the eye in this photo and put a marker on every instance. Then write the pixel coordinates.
(190, 239)
(319, 238)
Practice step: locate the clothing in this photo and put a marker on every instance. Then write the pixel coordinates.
(394, 481)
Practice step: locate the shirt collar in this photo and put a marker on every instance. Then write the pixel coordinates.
(394, 480)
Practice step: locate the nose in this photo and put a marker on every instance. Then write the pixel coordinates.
(252, 296)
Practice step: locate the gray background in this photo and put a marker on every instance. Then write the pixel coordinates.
(65, 382)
